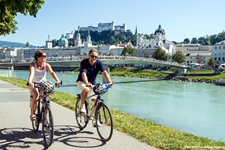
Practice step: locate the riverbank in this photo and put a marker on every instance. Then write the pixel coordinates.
(193, 75)
(147, 131)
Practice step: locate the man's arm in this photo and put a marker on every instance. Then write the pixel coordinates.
(85, 79)
(107, 77)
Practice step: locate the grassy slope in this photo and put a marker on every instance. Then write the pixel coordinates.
(144, 130)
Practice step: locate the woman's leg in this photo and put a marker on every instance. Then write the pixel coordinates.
(35, 94)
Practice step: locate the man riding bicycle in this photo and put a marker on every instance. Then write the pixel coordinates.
(89, 69)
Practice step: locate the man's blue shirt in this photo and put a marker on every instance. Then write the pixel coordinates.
(91, 71)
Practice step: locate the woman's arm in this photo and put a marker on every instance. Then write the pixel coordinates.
(31, 75)
(52, 73)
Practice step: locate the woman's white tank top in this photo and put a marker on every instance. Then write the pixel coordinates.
(39, 74)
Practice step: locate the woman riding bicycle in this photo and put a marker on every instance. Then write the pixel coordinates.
(38, 70)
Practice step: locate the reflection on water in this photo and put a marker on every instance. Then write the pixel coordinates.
(197, 108)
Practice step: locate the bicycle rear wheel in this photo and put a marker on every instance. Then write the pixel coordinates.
(81, 118)
(47, 126)
(36, 122)
(104, 118)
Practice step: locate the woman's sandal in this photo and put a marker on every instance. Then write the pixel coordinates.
(33, 118)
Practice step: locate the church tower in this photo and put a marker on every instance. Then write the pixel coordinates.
(48, 42)
(88, 42)
(78, 41)
(135, 37)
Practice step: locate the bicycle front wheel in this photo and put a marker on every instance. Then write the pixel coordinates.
(81, 118)
(104, 122)
(47, 126)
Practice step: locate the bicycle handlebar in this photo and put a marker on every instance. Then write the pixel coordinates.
(60, 83)
(55, 83)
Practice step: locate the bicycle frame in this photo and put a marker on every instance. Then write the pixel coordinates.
(90, 112)
(43, 102)
(102, 116)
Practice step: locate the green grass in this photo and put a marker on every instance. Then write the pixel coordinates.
(146, 131)
(138, 72)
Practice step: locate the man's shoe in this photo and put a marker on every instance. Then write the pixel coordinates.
(96, 123)
(82, 109)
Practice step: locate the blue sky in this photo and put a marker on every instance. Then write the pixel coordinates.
(179, 19)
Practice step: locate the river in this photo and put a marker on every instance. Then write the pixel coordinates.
(196, 108)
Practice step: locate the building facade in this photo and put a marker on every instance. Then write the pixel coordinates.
(218, 52)
(146, 47)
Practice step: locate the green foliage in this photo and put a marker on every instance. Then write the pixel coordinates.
(159, 54)
(186, 41)
(211, 62)
(138, 72)
(129, 50)
(178, 57)
(10, 8)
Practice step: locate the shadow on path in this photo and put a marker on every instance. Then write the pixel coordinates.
(80, 139)
(19, 138)
(25, 138)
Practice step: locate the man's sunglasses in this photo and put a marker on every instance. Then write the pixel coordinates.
(92, 56)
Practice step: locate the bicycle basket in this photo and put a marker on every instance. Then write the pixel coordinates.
(101, 88)
(47, 86)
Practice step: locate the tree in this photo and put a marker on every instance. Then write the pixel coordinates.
(129, 50)
(211, 62)
(178, 57)
(186, 41)
(10, 8)
(159, 54)
(194, 41)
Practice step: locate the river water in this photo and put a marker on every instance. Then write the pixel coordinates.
(197, 108)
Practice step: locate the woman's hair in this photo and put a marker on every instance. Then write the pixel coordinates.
(93, 50)
(38, 53)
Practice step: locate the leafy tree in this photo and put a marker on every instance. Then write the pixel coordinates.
(152, 36)
(211, 62)
(129, 50)
(194, 41)
(10, 8)
(159, 54)
(178, 57)
(146, 36)
(120, 37)
(186, 41)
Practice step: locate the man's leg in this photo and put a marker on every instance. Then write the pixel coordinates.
(84, 94)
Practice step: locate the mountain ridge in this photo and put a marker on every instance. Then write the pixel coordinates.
(13, 44)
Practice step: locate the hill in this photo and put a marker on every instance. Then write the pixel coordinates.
(13, 44)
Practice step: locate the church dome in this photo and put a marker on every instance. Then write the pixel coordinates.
(160, 30)
(63, 39)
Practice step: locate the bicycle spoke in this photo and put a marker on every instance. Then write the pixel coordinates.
(81, 118)
(48, 127)
(105, 127)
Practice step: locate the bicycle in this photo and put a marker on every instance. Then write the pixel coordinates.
(43, 112)
(101, 112)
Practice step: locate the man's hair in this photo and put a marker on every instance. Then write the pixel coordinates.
(93, 50)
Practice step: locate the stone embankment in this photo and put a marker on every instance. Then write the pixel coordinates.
(177, 78)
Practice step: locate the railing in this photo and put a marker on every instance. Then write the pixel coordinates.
(6, 71)
(79, 58)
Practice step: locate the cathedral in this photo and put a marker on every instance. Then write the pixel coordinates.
(146, 47)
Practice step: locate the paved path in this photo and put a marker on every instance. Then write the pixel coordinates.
(15, 127)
